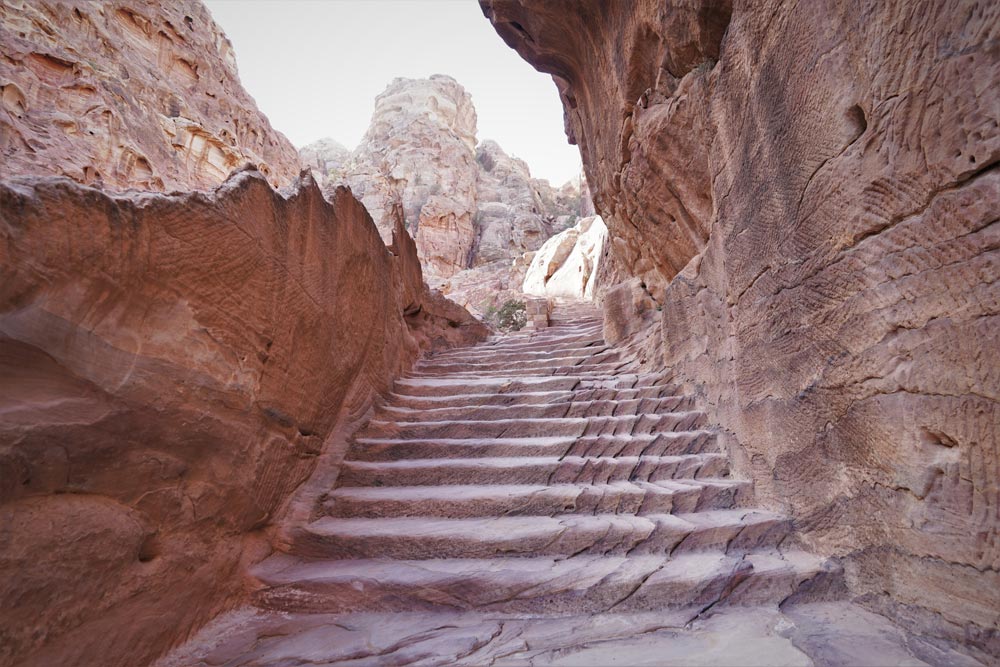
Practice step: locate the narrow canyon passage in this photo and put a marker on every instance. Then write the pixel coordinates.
(635, 332)
(531, 499)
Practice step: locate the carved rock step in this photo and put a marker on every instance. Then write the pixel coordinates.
(476, 355)
(558, 409)
(582, 584)
(583, 324)
(531, 470)
(514, 370)
(489, 362)
(446, 386)
(561, 317)
(555, 365)
(658, 444)
(491, 500)
(492, 537)
(547, 334)
(528, 428)
(551, 345)
(532, 397)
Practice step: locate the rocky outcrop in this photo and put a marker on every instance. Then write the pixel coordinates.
(515, 213)
(809, 192)
(172, 369)
(566, 266)
(468, 206)
(419, 151)
(128, 94)
(327, 159)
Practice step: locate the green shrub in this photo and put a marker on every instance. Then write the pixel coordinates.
(511, 316)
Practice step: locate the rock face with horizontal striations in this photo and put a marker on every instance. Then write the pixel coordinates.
(129, 94)
(170, 370)
(809, 192)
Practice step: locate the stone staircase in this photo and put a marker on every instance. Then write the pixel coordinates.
(536, 473)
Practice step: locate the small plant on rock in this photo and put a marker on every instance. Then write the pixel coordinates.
(511, 316)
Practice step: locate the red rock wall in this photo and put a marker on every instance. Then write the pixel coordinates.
(810, 193)
(170, 369)
(128, 94)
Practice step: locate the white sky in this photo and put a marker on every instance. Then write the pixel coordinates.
(315, 67)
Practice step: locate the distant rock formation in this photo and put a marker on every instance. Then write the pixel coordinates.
(515, 212)
(466, 205)
(566, 266)
(419, 151)
(326, 158)
(124, 95)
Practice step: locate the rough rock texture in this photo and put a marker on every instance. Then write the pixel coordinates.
(171, 368)
(533, 501)
(566, 266)
(810, 192)
(468, 206)
(809, 635)
(485, 288)
(128, 94)
(419, 151)
(328, 159)
(515, 213)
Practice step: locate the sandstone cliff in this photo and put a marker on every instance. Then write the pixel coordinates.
(171, 369)
(327, 159)
(128, 94)
(419, 151)
(467, 205)
(809, 191)
(566, 266)
(515, 213)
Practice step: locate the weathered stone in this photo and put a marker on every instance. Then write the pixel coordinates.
(554, 556)
(828, 633)
(470, 207)
(419, 151)
(171, 367)
(128, 95)
(515, 213)
(329, 160)
(810, 192)
(566, 265)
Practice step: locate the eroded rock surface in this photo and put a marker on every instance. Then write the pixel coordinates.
(170, 369)
(566, 266)
(327, 158)
(809, 635)
(809, 191)
(419, 151)
(515, 213)
(533, 501)
(128, 94)
(469, 206)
